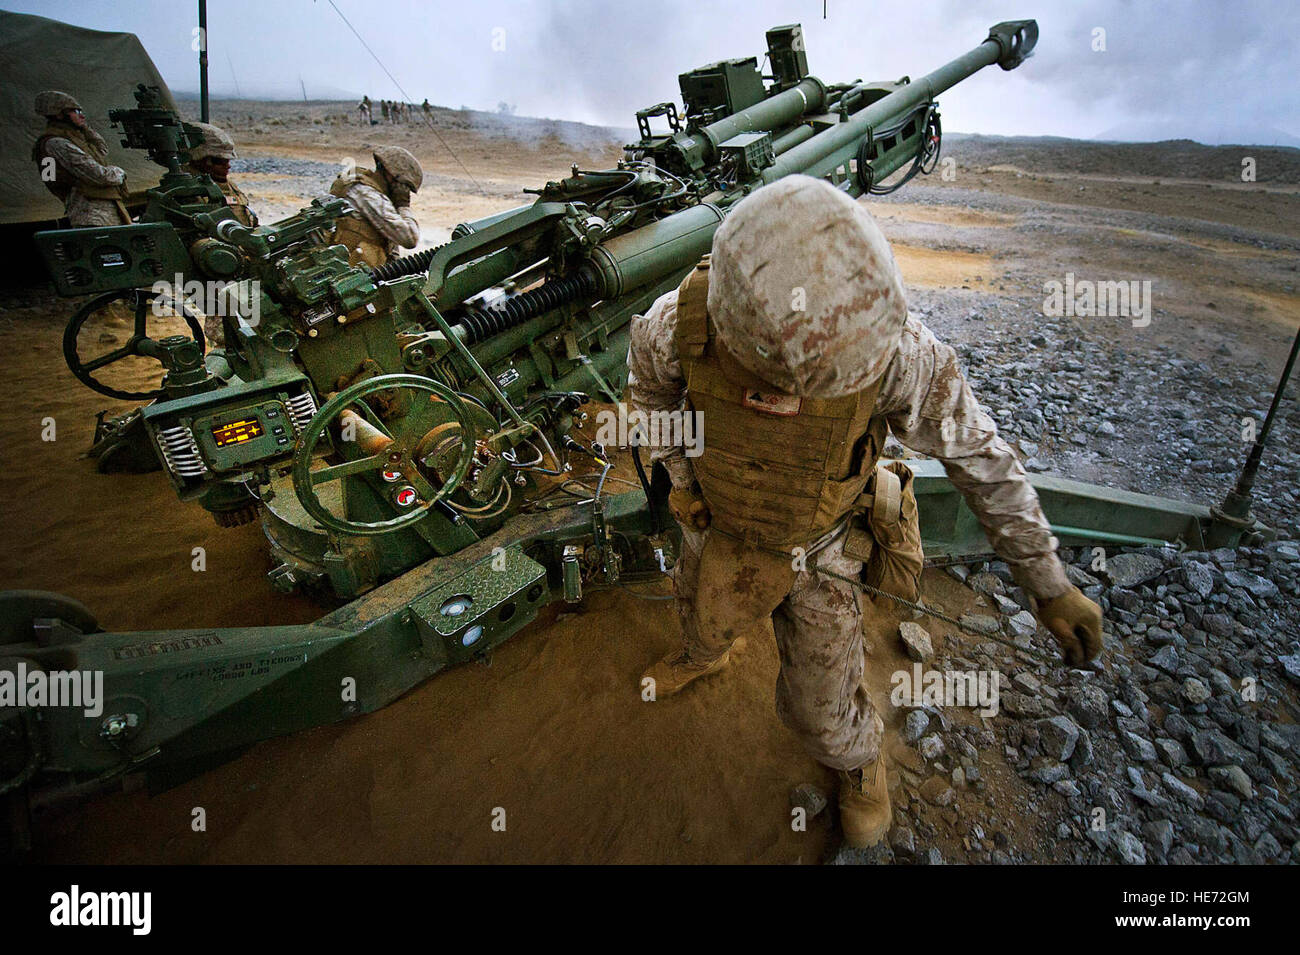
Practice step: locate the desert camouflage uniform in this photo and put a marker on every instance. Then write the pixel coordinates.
(818, 620)
(381, 227)
(78, 168)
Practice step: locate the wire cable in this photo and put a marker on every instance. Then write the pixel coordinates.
(406, 96)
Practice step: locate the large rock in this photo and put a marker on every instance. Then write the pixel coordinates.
(1257, 586)
(1129, 570)
(915, 725)
(1138, 748)
(1166, 659)
(1023, 624)
(916, 639)
(1088, 705)
(1057, 737)
(1196, 577)
(1212, 748)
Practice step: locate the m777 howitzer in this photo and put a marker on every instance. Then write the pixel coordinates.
(390, 428)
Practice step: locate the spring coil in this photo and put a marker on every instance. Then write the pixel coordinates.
(405, 265)
(483, 323)
(302, 408)
(181, 453)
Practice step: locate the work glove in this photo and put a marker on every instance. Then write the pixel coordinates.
(689, 508)
(1075, 622)
(400, 194)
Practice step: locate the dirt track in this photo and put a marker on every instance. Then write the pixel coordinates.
(554, 731)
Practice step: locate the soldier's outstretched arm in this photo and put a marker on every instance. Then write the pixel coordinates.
(73, 160)
(931, 409)
(655, 382)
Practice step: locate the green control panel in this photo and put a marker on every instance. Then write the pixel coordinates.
(110, 258)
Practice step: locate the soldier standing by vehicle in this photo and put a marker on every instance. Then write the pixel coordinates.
(794, 343)
(73, 163)
(382, 200)
(213, 158)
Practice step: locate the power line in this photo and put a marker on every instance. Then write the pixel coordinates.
(405, 95)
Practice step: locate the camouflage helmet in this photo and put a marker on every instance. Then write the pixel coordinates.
(804, 291)
(401, 165)
(53, 103)
(216, 144)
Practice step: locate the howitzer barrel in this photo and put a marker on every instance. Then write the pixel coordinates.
(809, 96)
(1008, 45)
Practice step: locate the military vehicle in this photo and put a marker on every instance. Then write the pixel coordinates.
(404, 435)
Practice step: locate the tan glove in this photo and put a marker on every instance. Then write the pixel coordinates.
(1075, 622)
(689, 508)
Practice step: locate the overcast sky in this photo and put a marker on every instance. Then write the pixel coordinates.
(1218, 72)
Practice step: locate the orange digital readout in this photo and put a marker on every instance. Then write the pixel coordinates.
(237, 432)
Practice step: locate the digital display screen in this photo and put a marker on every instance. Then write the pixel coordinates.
(237, 432)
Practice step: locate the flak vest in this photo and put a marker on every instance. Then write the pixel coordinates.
(92, 146)
(776, 470)
(365, 244)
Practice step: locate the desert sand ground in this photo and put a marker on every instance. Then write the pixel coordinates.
(554, 730)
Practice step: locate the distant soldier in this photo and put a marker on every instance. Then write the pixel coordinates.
(382, 200)
(72, 160)
(428, 110)
(213, 158)
(363, 111)
(383, 104)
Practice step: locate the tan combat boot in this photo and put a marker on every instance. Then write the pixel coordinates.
(676, 671)
(865, 813)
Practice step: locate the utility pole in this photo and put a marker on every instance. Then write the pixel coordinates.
(203, 60)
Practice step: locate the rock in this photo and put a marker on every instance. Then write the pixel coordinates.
(1166, 659)
(1088, 705)
(980, 623)
(1232, 778)
(1022, 624)
(1006, 605)
(1046, 770)
(1291, 667)
(1181, 790)
(1057, 737)
(1259, 587)
(1138, 748)
(938, 792)
(1129, 570)
(915, 725)
(1129, 849)
(903, 841)
(1160, 832)
(1194, 691)
(808, 797)
(916, 639)
(1196, 577)
(1212, 748)
(1172, 753)
(986, 584)
(931, 747)
(1080, 578)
